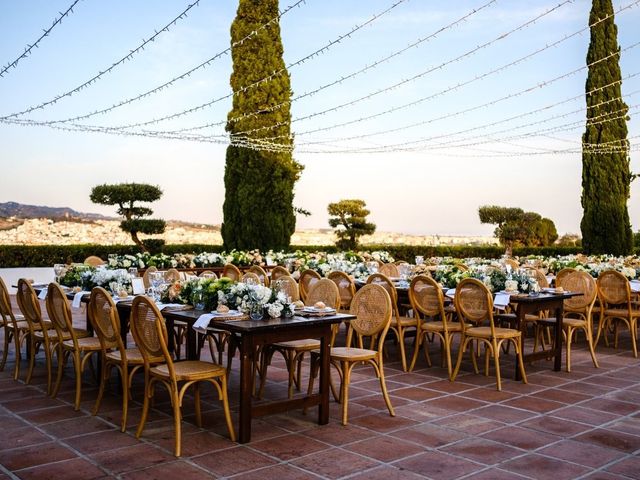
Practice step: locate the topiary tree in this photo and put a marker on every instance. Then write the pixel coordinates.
(515, 227)
(258, 206)
(126, 196)
(606, 176)
(349, 218)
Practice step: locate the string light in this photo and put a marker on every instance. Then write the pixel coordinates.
(46, 32)
(99, 75)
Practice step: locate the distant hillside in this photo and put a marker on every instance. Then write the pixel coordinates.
(19, 210)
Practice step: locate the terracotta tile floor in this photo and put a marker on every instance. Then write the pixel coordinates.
(583, 424)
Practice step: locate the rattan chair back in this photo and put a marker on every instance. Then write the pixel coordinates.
(307, 279)
(60, 313)
(262, 275)
(538, 275)
(372, 307)
(579, 282)
(145, 276)
(387, 284)
(389, 269)
(232, 272)
(613, 288)
(288, 285)
(474, 303)
(279, 271)
(326, 291)
(512, 263)
(346, 287)
(250, 277)
(94, 261)
(426, 297)
(209, 273)
(171, 275)
(105, 320)
(150, 332)
(562, 273)
(29, 305)
(5, 305)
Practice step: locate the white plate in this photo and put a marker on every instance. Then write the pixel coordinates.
(230, 313)
(319, 310)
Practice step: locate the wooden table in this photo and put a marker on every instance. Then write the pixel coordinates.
(527, 304)
(249, 334)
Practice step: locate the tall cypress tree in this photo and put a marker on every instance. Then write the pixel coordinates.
(258, 207)
(606, 176)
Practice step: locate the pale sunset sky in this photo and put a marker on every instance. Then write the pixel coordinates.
(426, 112)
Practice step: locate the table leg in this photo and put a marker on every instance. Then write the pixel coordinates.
(557, 363)
(325, 353)
(246, 387)
(192, 344)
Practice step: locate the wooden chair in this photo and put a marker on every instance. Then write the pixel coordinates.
(106, 323)
(208, 273)
(232, 272)
(150, 333)
(30, 308)
(262, 275)
(15, 327)
(389, 270)
(94, 261)
(427, 301)
(293, 351)
(171, 275)
(512, 263)
(616, 307)
(474, 304)
(145, 276)
(399, 324)
(288, 285)
(250, 277)
(372, 306)
(538, 275)
(279, 271)
(562, 273)
(307, 279)
(578, 310)
(71, 342)
(346, 287)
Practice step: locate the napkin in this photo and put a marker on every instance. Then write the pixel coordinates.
(501, 300)
(451, 293)
(162, 306)
(43, 294)
(203, 322)
(77, 298)
(635, 286)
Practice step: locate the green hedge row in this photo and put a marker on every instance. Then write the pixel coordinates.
(16, 256)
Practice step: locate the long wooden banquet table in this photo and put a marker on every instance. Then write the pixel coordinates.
(247, 335)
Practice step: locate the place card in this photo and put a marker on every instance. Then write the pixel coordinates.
(501, 300)
(137, 284)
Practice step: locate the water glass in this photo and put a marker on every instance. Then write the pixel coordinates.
(58, 271)
(198, 300)
(419, 260)
(256, 311)
(133, 271)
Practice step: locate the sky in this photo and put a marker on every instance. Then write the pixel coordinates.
(446, 106)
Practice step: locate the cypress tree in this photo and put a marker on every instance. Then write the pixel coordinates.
(258, 206)
(606, 176)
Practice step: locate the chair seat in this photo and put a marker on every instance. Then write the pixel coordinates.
(404, 321)
(352, 354)
(133, 356)
(191, 370)
(20, 325)
(67, 336)
(304, 344)
(84, 343)
(438, 326)
(621, 312)
(574, 322)
(486, 332)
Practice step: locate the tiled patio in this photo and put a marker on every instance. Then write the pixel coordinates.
(583, 424)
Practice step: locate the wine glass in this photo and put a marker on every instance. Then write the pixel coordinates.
(133, 271)
(419, 260)
(156, 279)
(58, 271)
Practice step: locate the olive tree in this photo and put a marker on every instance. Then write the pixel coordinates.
(127, 196)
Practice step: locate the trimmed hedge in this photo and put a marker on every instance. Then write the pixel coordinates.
(18, 256)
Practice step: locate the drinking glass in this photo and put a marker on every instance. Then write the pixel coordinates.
(58, 271)
(372, 267)
(419, 260)
(156, 279)
(256, 311)
(133, 271)
(198, 300)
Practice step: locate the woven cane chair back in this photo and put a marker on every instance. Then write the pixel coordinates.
(232, 272)
(171, 275)
(613, 288)
(346, 287)
(105, 319)
(262, 275)
(389, 269)
(150, 332)
(5, 302)
(278, 272)
(426, 296)
(326, 291)
(145, 277)
(94, 261)
(28, 304)
(307, 279)
(250, 277)
(59, 312)
(474, 303)
(539, 276)
(562, 273)
(579, 282)
(288, 285)
(372, 307)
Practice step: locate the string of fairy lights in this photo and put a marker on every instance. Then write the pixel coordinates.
(364, 134)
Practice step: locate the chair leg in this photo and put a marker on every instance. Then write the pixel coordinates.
(344, 390)
(225, 406)
(126, 393)
(416, 350)
(385, 394)
(175, 401)
(148, 393)
(569, 339)
(106, 370)
(62, 362)
(32, 358)
(5, 352)
(463, 346)
(18, 342)
(518, 348)
(587, 334)
(403, 358)
(496, 361)
(77, 365)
